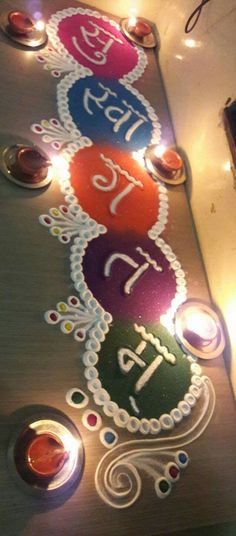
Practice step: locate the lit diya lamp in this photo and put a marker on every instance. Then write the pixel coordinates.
(31, 165)
(139, 28)
(26, 165)
(199, 330)
(20, 27)
(46, 455)
(165, 163)
(20, 23)
(139, 31)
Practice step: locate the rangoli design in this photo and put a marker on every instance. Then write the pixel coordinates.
(83, 38)
(108, 111)
(128, 282)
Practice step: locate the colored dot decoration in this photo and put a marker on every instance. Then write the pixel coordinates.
(182, 459)
(91, 420)
(108, 437)
(77, 398)
(163, 488)
(172, 472)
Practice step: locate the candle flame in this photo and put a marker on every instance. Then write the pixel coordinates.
(59, 168)
(139, 157)
(159, 150)
(39, 25)
(133, 17)
(202, 324)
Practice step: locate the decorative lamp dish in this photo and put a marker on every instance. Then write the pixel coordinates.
(139, 31)
(25, 165)
(165, 164)
(199, 330)
(46, 454)
(21, 28)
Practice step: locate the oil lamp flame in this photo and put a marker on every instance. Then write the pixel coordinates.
(39, 25)
(201, 324)
(159, 150)
(132, 18)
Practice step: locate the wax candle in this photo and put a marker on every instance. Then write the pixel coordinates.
(20, 22)
(46, 455)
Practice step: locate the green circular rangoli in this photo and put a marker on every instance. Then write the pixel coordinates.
(143, 369)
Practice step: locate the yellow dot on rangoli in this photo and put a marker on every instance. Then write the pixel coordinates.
(56, 231)
(55, 212)
(62, 307)
(68, 326)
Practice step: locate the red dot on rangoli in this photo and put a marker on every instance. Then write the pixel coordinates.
(53, 317)
(80, 334)
(174, 471)
(92, 419)
(47, 220)
(74, 301)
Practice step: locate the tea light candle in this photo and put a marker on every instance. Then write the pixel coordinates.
(46, 455)
(20, 22)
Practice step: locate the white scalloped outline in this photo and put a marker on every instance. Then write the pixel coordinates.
(52, 31)
(93, 345)
(65, 116)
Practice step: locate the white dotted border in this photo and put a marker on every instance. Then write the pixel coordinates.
(52, 31)
(101, 397)
(121, 417)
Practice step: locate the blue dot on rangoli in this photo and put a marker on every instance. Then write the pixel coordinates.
(109, 438)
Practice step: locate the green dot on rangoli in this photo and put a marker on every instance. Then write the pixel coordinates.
(164, 486)
(77, 397)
